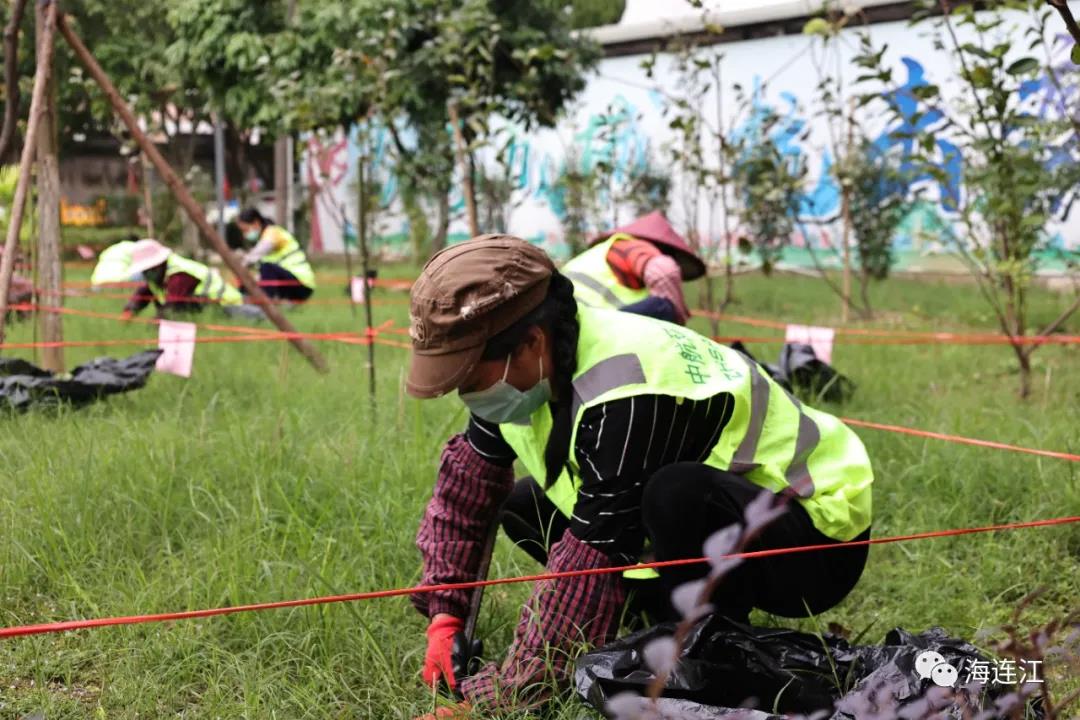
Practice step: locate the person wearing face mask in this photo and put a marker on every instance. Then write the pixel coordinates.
(284, 271)
(640, 437)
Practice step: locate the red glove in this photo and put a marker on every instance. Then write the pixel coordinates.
(127, 315)
(437, 660)
(457, 712)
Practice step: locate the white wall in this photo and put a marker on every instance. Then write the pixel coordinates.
(781, 70)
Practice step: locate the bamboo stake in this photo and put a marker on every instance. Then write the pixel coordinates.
(184, 197)
(37, 106)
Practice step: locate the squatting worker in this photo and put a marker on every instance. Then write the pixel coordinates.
(175, 284)
(639, 268)
(284, 270)
(113, 264)
(636, 433)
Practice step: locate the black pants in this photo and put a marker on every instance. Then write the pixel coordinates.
(683, 504)
(294, 290)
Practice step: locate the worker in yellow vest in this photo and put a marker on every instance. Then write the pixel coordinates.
(639, 268)
(639, 435)
(113, 264)
(284, 270)
(175, 284)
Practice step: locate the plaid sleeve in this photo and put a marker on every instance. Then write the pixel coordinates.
(139, 299)
(560, 617)
(664, 280)
(468, 493)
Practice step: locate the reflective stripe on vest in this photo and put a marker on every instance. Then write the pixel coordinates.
(291, 257)
(771, 438)
(595, 284)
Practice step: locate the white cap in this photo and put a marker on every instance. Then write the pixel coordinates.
(148, 254)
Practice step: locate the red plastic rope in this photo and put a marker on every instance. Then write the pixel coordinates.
(354, 339)
(239, 334)
(389, 283)
(962, 440)
(65, 626)
(910, 335)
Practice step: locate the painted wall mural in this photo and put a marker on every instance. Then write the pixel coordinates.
(619, 121)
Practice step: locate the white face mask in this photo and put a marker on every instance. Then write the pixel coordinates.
(504, 403)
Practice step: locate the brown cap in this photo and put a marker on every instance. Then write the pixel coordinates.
(465, 295)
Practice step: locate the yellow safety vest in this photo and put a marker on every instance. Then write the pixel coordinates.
(291, 257)
(771, 439)
(212, 287)
(113, 265)
(595, 285)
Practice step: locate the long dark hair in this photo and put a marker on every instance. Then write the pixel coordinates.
(558, 315)
(252, 215)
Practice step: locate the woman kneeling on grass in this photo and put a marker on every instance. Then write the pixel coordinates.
(638, 434)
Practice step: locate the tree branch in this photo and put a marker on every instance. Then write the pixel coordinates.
(11, 75)
(1055, 324)
(1066, 14)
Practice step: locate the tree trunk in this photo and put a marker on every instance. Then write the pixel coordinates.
(864, 290)
(1023, 357)
(148, 196)
(845, 295)
(365, 261)
(442, 231)
(281, 157)
(465, 162)
(236, 163)
(51, 268)
(11, 78)
(710, 300)
(729, 272)
(281, 181)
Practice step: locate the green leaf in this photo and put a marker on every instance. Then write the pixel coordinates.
(1074, 55)
(817, 26)
(1023, 66)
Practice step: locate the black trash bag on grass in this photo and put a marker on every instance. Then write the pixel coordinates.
(800, 371)
(24, 385)
(726, 667)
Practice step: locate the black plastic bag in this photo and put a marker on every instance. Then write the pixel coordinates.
(811, 377)
(800, 371)
(726, 665)
(23, 385)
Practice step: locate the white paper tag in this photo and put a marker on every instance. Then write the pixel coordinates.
(819, 338)
(359, 290)
(177, 340)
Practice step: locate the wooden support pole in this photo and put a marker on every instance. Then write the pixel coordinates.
(184, 197)
(470, 191)
(22, 187)
(50, 260)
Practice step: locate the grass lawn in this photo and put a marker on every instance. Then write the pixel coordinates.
(259, 479)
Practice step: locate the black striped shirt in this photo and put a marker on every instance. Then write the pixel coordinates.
(619, 445)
